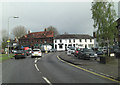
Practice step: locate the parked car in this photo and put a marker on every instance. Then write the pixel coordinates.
(14, 51)
(99, 52)
(71, 50)
(28, 52)
(77, 52)
(88, 54)
(53, 50)
(20, 54)
(36, 53)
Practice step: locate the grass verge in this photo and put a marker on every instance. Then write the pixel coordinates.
(5, 57)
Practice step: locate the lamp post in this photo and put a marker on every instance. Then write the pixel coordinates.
(9, 32)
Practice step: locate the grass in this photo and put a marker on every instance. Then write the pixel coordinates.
(5, 57)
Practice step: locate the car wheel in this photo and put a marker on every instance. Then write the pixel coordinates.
(16, 58)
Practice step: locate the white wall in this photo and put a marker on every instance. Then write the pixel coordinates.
(77, 43)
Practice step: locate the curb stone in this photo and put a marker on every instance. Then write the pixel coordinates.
(118, 79)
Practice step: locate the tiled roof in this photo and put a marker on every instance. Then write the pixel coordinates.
(42, 34)
(73, 36)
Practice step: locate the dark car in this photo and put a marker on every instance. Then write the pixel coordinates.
(87, 54)
(117, 53)
(20, 54)
(99, 52)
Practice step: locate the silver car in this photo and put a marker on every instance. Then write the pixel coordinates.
(71, 50)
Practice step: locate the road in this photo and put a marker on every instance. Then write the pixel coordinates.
(48, 69)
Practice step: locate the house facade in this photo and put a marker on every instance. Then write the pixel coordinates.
(36, 39)
(118, 27)
(61, 42)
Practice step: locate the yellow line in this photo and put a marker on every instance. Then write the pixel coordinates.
(89, 71)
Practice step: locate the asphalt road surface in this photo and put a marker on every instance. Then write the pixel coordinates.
(48, 69)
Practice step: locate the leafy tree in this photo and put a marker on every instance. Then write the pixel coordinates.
(104, 16)
(51, 28)
(19, 31)
(4, 38)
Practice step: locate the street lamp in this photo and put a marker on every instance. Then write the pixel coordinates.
(9, 32)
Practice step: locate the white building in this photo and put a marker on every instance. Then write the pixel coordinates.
(61, 42)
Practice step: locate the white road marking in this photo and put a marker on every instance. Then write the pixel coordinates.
(39, 58)
(35, 61)
(47, 80)
(36, 67)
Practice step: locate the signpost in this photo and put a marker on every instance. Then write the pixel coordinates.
(8, 46)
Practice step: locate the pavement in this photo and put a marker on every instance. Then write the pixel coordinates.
(109, 69)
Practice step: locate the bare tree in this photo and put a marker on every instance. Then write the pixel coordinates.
(4, 34)
(51, 28)
(19, 31)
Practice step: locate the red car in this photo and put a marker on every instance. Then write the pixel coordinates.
(76, 52)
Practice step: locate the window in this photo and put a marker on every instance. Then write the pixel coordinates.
(85, 40)
(80, 40)
(55, 41)
(69, 40)
(60, 41)
(69, 45)
(60, 46)
(74, 45)
(81, 45)
(73, 40)
(90, 45)
(90, 40)
(55, 46)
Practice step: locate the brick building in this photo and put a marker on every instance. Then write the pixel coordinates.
(36, 39)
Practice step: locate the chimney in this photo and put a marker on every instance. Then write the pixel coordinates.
(45, 29)
(28, 31)
(94, 34)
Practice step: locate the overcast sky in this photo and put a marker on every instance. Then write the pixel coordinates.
(70, 17)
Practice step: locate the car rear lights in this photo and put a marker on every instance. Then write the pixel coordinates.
(77, 52)
(32, 52)
(39, 52)
(22, 53)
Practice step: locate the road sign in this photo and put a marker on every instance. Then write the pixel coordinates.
(8, 40)
(22, 47)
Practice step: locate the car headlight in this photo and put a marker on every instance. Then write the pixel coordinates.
(95, 54)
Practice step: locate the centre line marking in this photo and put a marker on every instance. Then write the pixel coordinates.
(47, 80)
(39, 58)
(36, 67)
(35, 61)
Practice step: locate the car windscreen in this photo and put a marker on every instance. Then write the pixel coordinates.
(72, 48)
(78, 49)
(20, 51)
(88, 50)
